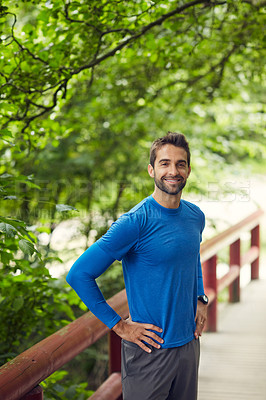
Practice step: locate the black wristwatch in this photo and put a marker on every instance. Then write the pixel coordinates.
(203, 298)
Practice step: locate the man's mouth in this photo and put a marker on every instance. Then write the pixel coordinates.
(173, 180)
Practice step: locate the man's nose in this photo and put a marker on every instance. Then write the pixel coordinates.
(173, 170)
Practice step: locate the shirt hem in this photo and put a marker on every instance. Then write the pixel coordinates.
(178, 344)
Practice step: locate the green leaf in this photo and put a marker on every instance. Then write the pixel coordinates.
(6, 257)
(27, 247)
(8, 229)
(70, 392)
(59, 388)
(51, 258)
(5, 133)
(44, 229)
(18, 303)
(64, 207)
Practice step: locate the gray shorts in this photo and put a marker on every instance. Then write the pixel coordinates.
(163, 374)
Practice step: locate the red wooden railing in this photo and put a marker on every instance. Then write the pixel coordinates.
(209, 250)
(20, 378)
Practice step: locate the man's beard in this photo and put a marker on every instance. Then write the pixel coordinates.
(175, 190)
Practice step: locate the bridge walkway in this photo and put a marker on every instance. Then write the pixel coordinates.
(233, 360)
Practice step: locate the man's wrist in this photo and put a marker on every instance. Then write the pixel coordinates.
(118, 326)
(203, 298)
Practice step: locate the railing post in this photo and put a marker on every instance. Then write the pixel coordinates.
(210, 281)
(234, 288)
(34, 394)
(114, 354)
(255, 241)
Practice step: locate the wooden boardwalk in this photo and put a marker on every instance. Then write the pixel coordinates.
(233, 360)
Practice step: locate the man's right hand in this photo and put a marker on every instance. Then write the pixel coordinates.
(138, 332)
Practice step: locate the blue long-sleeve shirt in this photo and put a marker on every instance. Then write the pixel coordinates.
(159, 248)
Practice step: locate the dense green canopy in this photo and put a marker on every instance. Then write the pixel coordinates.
(146, 53)
(87, 85)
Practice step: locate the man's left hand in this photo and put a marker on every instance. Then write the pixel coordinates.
(201, 318)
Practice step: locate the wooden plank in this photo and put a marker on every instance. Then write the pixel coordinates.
(233, 360)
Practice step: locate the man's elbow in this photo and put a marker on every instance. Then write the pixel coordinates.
(71, 278)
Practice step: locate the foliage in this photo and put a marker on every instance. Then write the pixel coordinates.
(54, 45)
(90, 84)
(32, 304)
(54, 390)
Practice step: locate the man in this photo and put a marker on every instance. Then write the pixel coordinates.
(158, 242)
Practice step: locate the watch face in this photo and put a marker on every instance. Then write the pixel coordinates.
(204, 299)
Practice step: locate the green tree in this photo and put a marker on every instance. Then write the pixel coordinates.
(51, 45)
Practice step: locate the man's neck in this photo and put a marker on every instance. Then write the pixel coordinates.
(167, 200)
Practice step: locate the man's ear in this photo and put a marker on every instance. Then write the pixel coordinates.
(151, 171)
(189, 170)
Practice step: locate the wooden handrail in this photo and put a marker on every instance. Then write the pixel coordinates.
(209, 250)
(31, 367)
(110, 389)
(211, 247)
(19, 376)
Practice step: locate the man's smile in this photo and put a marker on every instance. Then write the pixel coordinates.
(173, 180)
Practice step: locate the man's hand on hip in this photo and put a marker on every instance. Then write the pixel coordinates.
(201, 318)
(138, 332)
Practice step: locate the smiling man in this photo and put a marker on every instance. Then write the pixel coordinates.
(158, 242)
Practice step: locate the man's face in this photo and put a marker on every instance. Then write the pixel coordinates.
(170, 170)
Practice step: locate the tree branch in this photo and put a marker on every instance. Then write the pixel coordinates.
(190, 82)
(14, 39)
(98, 59)
(124, 42)
(95, 61)
(66, 15)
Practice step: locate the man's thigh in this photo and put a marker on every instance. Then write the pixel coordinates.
(151, 376)
(185, 383)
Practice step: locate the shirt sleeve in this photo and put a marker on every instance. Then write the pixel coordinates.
(114, 245)
(81, 277)
(121, 237)
(200, 277)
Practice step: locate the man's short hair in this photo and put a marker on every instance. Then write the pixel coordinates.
(176, 139)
